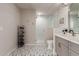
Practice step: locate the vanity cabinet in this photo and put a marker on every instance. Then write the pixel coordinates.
(72, 53)
(73, 49)
(61, 46)
(64, 47)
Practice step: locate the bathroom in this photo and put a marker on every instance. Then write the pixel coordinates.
(50, 29)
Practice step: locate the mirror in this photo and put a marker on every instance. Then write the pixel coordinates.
(74, 17)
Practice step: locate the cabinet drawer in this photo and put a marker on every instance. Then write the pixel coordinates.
(74, 47)
(62, 41)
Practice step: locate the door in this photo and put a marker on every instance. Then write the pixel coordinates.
(44, 28)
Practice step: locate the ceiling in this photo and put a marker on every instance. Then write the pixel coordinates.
(44, 8)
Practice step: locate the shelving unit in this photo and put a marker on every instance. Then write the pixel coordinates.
(20, 36)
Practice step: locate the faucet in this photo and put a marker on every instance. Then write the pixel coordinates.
(72, 32)
(68, 31)
(64, 31)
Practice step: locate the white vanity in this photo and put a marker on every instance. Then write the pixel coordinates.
(66, 44)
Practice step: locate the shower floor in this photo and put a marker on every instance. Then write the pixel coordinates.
(32, 50)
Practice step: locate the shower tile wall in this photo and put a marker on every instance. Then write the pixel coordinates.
(44, 25)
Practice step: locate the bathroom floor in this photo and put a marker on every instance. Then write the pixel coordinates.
(32, 50)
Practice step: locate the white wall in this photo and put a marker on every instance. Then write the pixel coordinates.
(29, 21)
(9, 20)
(62, 12)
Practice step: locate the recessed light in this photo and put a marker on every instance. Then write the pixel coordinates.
(39, 13)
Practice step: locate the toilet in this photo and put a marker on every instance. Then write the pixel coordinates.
(50, 44)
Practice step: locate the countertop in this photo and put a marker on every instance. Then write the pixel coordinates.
(67, 36)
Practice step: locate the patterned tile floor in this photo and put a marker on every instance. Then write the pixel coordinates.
(32, 50)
